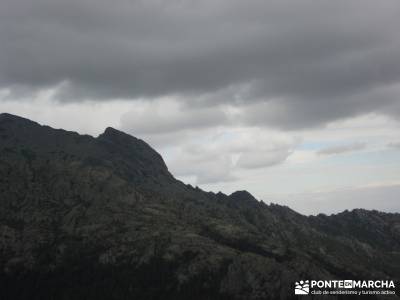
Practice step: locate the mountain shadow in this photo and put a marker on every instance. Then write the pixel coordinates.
(103, 218)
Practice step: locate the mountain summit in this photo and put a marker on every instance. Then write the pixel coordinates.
(103, 218)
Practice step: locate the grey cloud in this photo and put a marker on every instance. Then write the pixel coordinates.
(205, 165)
(165, 117)
(262, 159)
(382, 198)
(342, 149)
(222, 159)
(394, 145)
(313, 61)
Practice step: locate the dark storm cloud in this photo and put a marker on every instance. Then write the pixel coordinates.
(284, 63)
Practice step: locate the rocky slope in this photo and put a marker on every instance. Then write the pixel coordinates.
(102, 218)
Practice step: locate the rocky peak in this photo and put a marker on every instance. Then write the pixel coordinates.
(11, 117)
(242, 196)
(134, 152)
(129, 156)
(115, 135)
(12, 122)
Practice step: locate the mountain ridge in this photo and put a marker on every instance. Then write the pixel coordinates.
(106, 216)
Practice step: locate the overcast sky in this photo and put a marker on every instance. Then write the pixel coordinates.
(296, 101)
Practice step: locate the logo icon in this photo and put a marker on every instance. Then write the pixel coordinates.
(302, 287)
